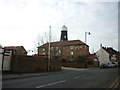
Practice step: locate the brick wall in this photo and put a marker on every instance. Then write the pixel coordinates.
(74, 65)
(33, 64)
(66, 52)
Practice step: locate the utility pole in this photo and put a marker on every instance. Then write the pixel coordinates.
(49, 66)
(2, 58)
(85, 47)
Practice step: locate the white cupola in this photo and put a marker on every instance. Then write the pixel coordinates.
(64, 28)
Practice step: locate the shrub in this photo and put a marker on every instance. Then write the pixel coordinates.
(80, 59)
(89, 62)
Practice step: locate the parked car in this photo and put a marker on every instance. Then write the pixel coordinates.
(110, 65)
(115, 64)
(103, 65)
(118, 64)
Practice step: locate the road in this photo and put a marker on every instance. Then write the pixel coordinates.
(67, 78)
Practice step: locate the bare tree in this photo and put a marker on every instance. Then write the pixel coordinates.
(41, 40)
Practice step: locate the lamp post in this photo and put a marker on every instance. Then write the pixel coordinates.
(85, 47)
(49, 49)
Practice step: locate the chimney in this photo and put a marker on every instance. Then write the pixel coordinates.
(101, 45)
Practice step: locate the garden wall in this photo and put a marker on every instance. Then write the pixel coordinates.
(74, 65)
(20, 63)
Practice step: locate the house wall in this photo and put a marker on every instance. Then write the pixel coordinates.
(77, 51)
(102, 56)
(65, 51)
(20, 51)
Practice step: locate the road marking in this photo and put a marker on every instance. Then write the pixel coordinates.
(50, 84)
(79, 76)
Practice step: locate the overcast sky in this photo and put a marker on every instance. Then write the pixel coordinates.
(23, 22)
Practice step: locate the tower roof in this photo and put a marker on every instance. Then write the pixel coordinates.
(64, 28)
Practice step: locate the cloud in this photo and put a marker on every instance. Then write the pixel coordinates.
(32, 17)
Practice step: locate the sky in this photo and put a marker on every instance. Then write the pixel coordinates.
(26, 22)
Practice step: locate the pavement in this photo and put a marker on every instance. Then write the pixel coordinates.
(8, 76)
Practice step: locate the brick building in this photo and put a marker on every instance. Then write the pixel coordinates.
(17, 50)
(64, 49)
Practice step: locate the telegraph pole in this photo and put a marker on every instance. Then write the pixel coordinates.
(2, 58)
(85, 47)
(49, 66)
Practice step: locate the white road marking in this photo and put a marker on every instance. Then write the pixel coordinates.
(51, 84)
(79, 76)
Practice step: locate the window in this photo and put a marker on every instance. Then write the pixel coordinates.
(51, 48)
(43, 49)
(59, 51)
(43, 53)
(57, 48)
(71, 53)
(71, 47)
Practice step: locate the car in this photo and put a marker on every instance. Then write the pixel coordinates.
(110, 65)
(103, 65)
(115, 64)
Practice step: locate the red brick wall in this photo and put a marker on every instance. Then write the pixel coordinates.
(74, 65)
(66, 52)
(78, 50)
(33, 64)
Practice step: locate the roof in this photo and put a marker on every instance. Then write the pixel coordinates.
(64, 28)
(14, 47)
(66, 43)
(110, 50)
(91, 56)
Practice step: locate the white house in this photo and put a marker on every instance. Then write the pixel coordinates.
(106, 55)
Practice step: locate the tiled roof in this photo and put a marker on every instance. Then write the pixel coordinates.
(110, 50)
(91, 56)
(66, 43)
(14, 47)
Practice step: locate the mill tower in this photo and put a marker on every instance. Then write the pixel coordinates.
(64, 36)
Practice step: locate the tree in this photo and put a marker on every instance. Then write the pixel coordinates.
(41, 40)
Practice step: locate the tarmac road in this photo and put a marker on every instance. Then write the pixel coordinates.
(67, 78)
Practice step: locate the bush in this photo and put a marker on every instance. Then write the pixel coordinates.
(89, 62)
(80, 59)
(71, 61)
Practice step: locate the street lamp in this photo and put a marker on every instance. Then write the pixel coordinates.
(85, 47)
(86, 36)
